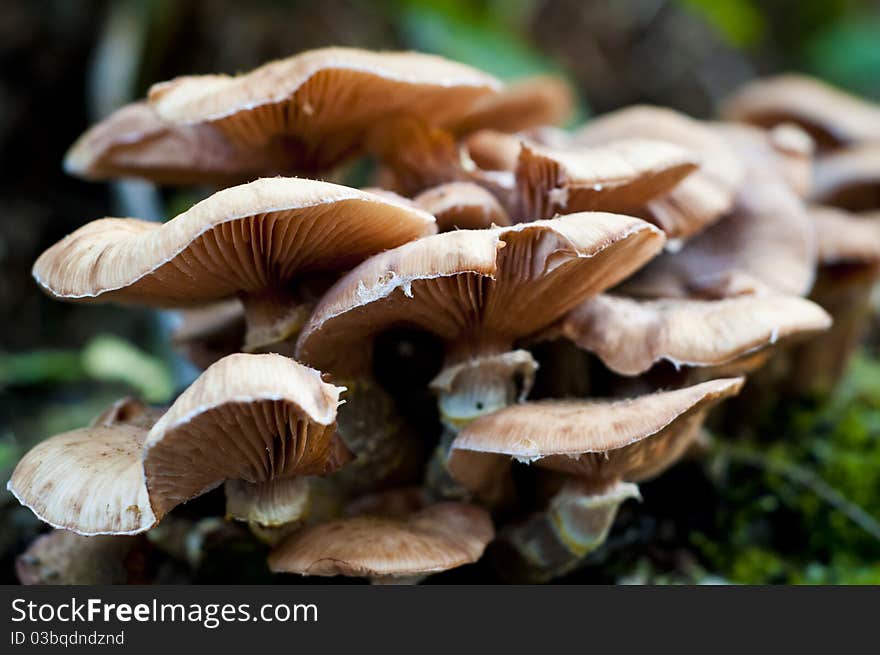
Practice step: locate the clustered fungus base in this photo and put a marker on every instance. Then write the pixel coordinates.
(683, 258)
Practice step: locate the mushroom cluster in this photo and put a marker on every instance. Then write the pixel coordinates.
(383, 364)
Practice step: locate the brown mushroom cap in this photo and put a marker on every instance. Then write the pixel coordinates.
(524, 103)
(437, 538)
(398, 503)
(61, 557)
(463, 206)
(90, 481)
(251, 417)
(128, 411)
(601, 442)
(135, 142)
(241, 239)
(621, 176)
(630, 335)
(702, 197)
(832, 116)
(320, 104)
(849, 178)
(248, 417)
(767, 242)
(846, 238)
(794, 149)
(251, 240)
(415, 155)
(476, 289)
(491, 150)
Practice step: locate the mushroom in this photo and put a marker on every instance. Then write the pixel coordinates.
(60, 557)
(621, 176)
(849, 178)
(319, 105)
(128, 411)
(248, 417)
(703, 196)
(388, 548)
(462, 206)
(630, 336)
(304, 114)
(278, 502)
(766, 243)
(602, 446)
(416, 156)
(135, 142)
(257, 241)
(849, 256)
(491, 150)
(792, 148)
(522, 104)
(479, 291)
(534, 181)
(831, 116)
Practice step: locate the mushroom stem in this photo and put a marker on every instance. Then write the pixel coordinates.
(845, 291)
(555, 541)
(438, 479)
(273, 315)
(371, 426)
(481, 385)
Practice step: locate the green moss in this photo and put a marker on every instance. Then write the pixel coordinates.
(804, 507)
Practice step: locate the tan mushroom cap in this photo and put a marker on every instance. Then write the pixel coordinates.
(90, 481)
(621, 176)
(477, 288)
(252, 240)
(849, 178)
(846, 238)
(783, 152)
(491, 150)
(463, 206)
(437, 538)
(398, 502)
(321, 103)
(128, 411)
(135, 142)
(600, 441)
(249, 417)
(766, 243)
(702, 197)
(241, 239)
(795, 149)
(416, 156)
(630, 336)
(832, 116)
(524, 103)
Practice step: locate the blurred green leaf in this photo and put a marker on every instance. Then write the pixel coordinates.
(847, 53)
(739, 21)
(40, 367)
(112, 359)
(491, 39)
(483, 44)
